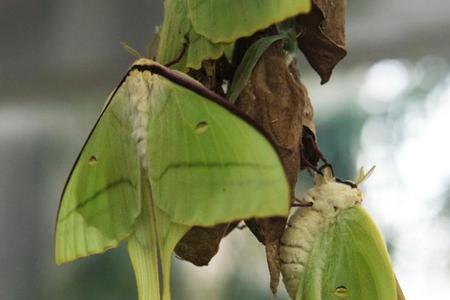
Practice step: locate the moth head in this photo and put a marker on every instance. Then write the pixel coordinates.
(144, 62)
(329, 192)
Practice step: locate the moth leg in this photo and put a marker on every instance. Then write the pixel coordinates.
(307, 202)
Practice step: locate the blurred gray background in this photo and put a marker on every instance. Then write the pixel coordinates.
(387, 104)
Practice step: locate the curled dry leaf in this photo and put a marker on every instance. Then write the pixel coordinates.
(322, 35)
(200, 244)
(308, 149)
(275, 99)
(308, 111)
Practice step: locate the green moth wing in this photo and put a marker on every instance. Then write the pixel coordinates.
(228, 20)
(101, 200)
(177, 33)
(209, 28)
(356, 262)
(143, 249)
(333, 250)
(166, 154)
(217, 166)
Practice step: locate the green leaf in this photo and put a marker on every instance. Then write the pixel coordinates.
(165, 155)
(248, 63)
(224, 21)
(287, 27)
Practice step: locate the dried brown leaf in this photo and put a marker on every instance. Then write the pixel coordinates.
(275, 99)
(200, 244)
(308, 149)
(322, 35)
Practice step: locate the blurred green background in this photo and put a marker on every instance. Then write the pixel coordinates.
(387, 104)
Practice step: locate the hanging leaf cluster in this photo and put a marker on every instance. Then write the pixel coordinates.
(210, 28)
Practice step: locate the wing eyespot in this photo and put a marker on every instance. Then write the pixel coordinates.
(92, 160)
(201, 127)
(341, 292)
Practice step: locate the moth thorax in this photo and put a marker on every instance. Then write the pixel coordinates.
(307, 224)
(139, 88)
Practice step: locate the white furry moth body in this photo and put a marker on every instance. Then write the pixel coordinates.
(332, 249)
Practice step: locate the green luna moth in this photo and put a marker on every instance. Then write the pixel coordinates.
(166, 154)
(333, 249)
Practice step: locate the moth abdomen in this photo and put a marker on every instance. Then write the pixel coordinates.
(297, 243)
